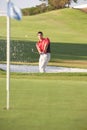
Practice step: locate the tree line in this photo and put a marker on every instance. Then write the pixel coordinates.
(47, 5)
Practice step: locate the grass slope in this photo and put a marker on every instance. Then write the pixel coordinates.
(65, 25)
(66, 28)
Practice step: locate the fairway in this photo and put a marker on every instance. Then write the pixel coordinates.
(42, 103)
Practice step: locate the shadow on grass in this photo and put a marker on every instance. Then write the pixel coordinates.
(69, 51)
(21, 51)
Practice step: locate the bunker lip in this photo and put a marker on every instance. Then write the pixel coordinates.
(35, 69)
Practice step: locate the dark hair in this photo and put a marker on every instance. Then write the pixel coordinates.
(40, 33)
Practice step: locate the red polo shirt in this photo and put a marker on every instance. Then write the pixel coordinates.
(42, 43)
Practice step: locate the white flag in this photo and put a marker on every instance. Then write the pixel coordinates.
(13, 11)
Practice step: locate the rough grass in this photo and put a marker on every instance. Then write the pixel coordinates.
(55, 76)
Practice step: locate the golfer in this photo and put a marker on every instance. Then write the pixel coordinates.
(43, 48)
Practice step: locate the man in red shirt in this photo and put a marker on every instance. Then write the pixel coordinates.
(43, 47)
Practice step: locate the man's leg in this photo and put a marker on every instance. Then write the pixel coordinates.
(43, 61)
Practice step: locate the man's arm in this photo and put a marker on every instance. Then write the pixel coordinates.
(45, 47)
(38, 49)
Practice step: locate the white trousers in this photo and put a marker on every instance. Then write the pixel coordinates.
(43, 61)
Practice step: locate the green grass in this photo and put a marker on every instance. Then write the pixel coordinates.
(45, 102)
(66, 28)
(66, 25)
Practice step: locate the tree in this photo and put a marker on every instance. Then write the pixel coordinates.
(58, 3)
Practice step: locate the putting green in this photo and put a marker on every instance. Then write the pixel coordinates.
(44, 104)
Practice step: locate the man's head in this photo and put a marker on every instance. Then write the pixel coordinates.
(40, 35)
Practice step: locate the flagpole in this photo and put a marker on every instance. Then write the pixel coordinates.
(13, 12)
(8, 61)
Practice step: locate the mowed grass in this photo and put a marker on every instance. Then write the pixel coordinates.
(45, 102)
(66, 28)
(48, 101)
(65, 25)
